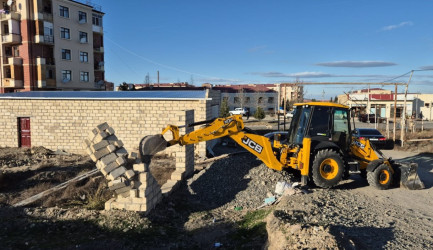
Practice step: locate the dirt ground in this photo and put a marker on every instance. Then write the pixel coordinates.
(216, 208)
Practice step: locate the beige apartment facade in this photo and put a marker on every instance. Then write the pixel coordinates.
(51, 45)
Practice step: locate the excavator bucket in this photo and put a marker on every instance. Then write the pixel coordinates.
(408, 175)
(150, 145)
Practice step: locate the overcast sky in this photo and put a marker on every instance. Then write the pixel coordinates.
(237, 42)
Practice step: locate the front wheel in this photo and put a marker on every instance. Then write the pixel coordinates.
(381, 177)
(327, 168)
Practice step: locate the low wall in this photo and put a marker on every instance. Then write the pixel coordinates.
(64, 124)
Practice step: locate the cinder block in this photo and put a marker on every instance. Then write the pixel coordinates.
(116, 173)
(133, 193)
(99, 154)
(110, 131)
(110, 167)
(87, 143)
(143, 208)
(103, 126)
(116, 184)
(145, 193)
(122, 152)
(123, 190)
(100, 136)
(92, 134)
(109, 158)
(118, 205)
(111, 139)
(139, 200)
(111, 148)
(133, 207)
(118, 143)
(177, 175)
(142, 177)
(129, 174)
(99, 145)
(139, 167)
(132, 155)
(120, 160)
(108, 204)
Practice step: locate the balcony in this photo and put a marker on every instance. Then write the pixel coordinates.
(99, 66)
(46, 39)
(10, 16)
(11, 39)
(15, 61)
(98, 49)
(12, 83)
(97, 29)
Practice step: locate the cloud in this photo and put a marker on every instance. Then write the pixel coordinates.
(316, 75)
(396, 26)
(430, 67)
(299, 74)
(356, 64)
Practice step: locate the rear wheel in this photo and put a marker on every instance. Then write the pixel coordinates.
(327, 168)
(381, 177)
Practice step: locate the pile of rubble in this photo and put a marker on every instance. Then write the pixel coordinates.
(134, 185)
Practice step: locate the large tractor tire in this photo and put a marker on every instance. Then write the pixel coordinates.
(327, 168)
(381, 177)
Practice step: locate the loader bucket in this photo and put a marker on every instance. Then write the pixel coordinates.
(408, 175)
(150, 145)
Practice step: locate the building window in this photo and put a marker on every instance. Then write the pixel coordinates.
(65, 33)
(82, 17)
(66, 75)
(270, 100)
(97, 20)
(260, 100)
(237, 100)
(66, 54)
(83, 37)
(427, 105)
(64, 11)
(49, 74)
(226, 98)
(84, 56)
(84, 76)
(247, 99)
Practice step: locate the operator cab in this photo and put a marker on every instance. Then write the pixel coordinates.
(321, 121)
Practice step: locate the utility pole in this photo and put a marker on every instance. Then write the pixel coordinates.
(395, 112)
(403, 120)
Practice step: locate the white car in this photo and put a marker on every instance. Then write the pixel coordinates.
(290, 114)
(238, 111)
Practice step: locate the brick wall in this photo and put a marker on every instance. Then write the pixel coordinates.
(64, 124)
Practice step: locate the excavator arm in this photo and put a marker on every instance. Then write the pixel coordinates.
(232, 127)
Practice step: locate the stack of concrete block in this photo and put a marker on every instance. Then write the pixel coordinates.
(134, 185)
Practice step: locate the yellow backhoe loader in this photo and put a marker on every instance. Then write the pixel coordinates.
(319, 144)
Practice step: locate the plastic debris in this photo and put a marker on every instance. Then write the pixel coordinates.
(270, 200)
(281, 187)
(238, 208)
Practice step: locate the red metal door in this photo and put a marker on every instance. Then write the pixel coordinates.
(24, 130)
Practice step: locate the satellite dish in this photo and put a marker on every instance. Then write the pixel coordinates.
(65, 80)
(9, 2)
(100, 82)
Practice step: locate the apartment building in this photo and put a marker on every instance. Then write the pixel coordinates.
(51, 45)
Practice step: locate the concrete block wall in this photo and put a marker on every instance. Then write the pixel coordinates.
(184, 156)
(64, 124)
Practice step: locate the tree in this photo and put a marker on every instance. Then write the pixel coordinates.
(224, 109)
(241, 96)
(260, 113)
(336, 99)
(313, 100)
(330, 100)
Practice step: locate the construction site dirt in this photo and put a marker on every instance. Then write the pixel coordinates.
(216, 208)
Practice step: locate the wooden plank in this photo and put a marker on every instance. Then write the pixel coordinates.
(54, 189)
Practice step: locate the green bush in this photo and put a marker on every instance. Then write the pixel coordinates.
(259, 114)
